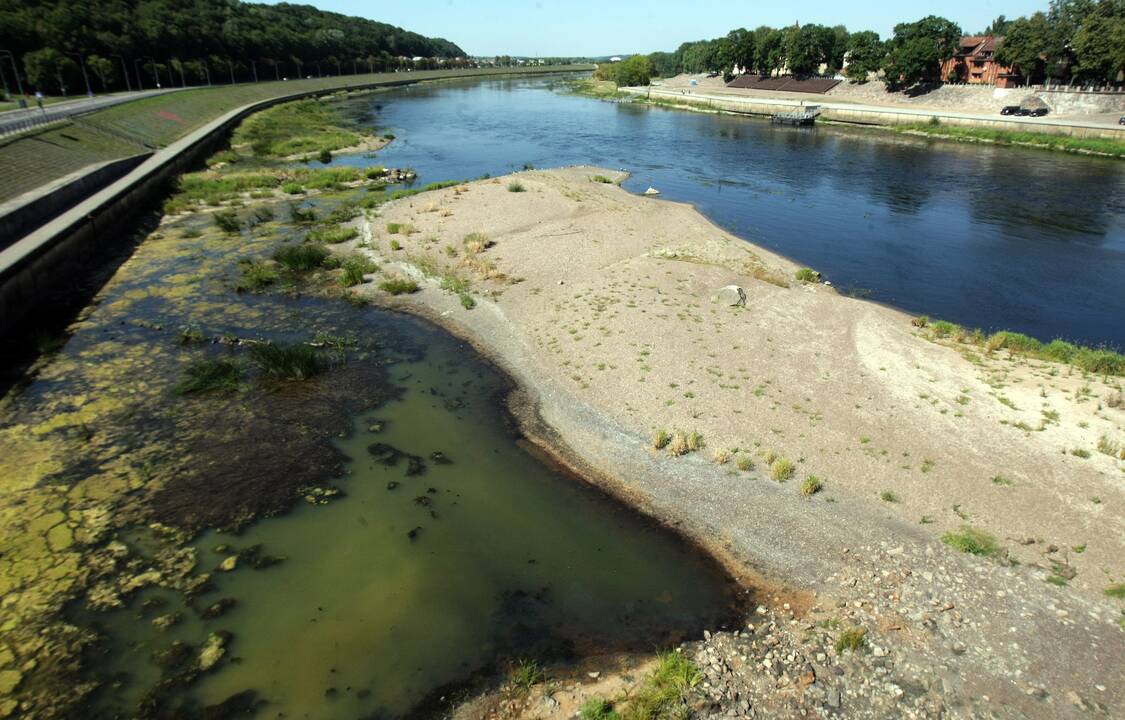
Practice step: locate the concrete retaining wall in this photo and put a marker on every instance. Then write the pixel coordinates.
(37, 265)
(20, 216)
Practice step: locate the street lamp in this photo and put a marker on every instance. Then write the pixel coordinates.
(85, 77)
(254, 68)
(137, 68)
(125, 72)
(19, 85)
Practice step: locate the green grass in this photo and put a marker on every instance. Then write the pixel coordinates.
(256, 275)
(333, 235)
(745, 463)
(1094, 360)
(807, 275)
(526, 673)
(398, 286)
(662, 694)
(286, 362)
(888, 496)
(851, 640)
(1116, 591)
(467, 301)
(516, 187)
(301, 258)
(355, 268)
(973, 541)
(211, 375)
(1001, 480)
(227, 221)
(661, 438)
(602, 179)
(1046, 141)
(600, 89)
(598, 709)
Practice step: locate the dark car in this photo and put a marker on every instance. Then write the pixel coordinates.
(1010, 110)
(1121, 120)
(1038, 112)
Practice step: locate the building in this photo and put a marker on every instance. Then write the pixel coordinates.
(975, 63)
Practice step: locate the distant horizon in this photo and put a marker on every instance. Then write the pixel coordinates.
(583, 28)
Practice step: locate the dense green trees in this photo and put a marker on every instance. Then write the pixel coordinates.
(917, 49)
(197, 39)
(1075, 40)
(636, 70)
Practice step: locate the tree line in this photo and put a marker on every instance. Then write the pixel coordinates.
(55, 44)
(1073, 41)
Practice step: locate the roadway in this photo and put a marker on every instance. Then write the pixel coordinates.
(20, 119)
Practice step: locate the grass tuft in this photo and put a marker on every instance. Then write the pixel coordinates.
(286, 362)
(516, 186)
(227, 221)
(398, 286)
(808, 275)
(811, 486)
(598, 709)
(781, 469)
(973, 541)
(526, 673)
(210, 375)
(661, 438)
(301, 257)
(851, 640)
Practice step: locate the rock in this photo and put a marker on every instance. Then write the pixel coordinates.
(218, 608)
(651, 192)
(9, 681)
(213, 650)
(730, 296)
(228, 564)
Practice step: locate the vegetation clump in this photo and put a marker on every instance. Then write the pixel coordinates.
(661, 438)
(808, 275)
(516, 187)
(399, 286)
(744, 462)
(781, 469)
(286, 362)
(256, 275)
(851, 640)
(973, 541)
(526, 673)
(355, 268)
(333, 235)
(302, 257)
(227, 221)
(211, 375)
(811, 486)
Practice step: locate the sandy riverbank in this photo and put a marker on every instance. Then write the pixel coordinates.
(598, 303)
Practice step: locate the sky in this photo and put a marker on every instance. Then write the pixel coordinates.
(600, 27)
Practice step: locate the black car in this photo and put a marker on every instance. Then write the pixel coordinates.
(1038, 112)
(1121, 120)
(1010, 110)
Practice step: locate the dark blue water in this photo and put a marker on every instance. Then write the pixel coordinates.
(990, 237)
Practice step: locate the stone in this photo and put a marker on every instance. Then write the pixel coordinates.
(651, 192)
(213, 650)
(228, 564)
(9, 681)
(163, 622)
(730, 296)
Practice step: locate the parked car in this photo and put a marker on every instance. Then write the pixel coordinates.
(1010, 110)
(1038, 112)
(1121, 120)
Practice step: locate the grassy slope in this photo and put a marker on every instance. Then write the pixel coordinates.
(31, 160)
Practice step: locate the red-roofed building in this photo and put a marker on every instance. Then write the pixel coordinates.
(975, 63)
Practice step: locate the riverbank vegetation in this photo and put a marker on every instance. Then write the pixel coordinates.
(302, 127)
(1100, 361)
(1045, 141)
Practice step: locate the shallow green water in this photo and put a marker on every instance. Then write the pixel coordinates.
(510, 559)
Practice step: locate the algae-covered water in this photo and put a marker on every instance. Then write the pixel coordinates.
(464, 552)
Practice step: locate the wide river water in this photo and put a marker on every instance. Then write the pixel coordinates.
(990, 237)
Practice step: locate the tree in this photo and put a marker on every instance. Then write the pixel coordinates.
(769, 50)
(999, 26)
(1027, 42)
(866, 53)
(740, 49)
(916, 51)
(1099, 46)
(637, 70)
(103, 68)
(45, 68)
(804, 49)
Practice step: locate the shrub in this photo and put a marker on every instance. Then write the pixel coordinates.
(602, 179)
(375, 172)
(721, 456)
(467, 301)
(477, 242)
(662, 694)
(1107, 446)
(301, 257)
(210, 376)
(973, 541)
(888, 496)
(515, 186)
(287, 362)
(292, 188)
(1116, 591)
(744, 463)
(325, 156)
(851, 640)
(694, 441)
(808, 275)
(811, 486)
(354, 269)
(399, 286)
(227, 221)
(679, 444)
(394, 228)
(782, 469)
(396, 245)
(661, 438)
(598, 709)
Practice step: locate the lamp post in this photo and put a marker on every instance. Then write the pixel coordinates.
(206, 71)
(19, 85)
(137, 68)
(85, 77)
(125, 72)
(254, 68)
(317, 63)
(299, 63)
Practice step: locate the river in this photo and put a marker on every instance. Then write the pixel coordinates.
(989, 237)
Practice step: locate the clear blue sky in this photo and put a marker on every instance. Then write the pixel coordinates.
(598, 27)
